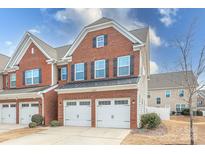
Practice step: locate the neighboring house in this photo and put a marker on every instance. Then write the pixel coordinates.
(29, 80)
(108, 68)
(3, 61)
(169, 90)
(201, 100)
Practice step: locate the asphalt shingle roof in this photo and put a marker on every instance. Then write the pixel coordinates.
(61, 51)
(99, 83)
(169, 80)
(141, 33)
(3, 61)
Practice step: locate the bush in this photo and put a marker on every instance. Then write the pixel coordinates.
(55, 123)
(150, 120)
(185, 112)
(173, 113)
(32, 125)
(37, 118)
(199, 113)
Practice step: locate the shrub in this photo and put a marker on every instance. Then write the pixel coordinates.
(185, 112)
(37, 118)
(150, 120)
(173, 113)
(32, 125)
(199, 113)
(55, 123)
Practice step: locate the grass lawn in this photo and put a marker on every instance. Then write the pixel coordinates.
(18, 133)
(174, 131)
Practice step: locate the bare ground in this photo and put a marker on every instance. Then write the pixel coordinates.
(174, 131)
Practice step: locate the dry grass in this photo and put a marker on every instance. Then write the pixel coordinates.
(13, 134)
(174, 131)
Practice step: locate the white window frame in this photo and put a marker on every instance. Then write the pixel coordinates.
(12, 80)
(166, 93)
(32, 77)
(100, 39)
(180, 92)
(180, 107)
(80, 71)
(62, 73)
(100, 68)
(118, 66)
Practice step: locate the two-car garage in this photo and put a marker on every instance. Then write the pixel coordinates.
(8, 112)
(111, 113)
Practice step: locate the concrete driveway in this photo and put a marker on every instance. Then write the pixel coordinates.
(73, 136)
(8, 127)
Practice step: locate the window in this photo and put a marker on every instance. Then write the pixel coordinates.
(158, 100)
(71, 103)
(79, 71)
(85, 103)
(5, 106)
(104, 103)
(32, 77)
(25, 105)
(168, 93)
(13, 80)
(121, 102)
(6, 81)
(180, 107)
(181, 93)
(100, 69)
(100, 41)
(63, 73)
(13, 105)
(34, 105)
(123, 64)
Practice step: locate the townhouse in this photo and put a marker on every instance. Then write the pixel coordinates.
(201, 100)
(3, 61)
(98, 81)
(170, 90)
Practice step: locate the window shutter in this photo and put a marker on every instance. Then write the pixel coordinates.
(94, 42)
(115, 67)
(24, 78)
(107, 68)
(92, 69)
(132, 65)
(40, 76)
(59, 74)
(105, 40)
(66, 72)
(72, 72)
(85, 71)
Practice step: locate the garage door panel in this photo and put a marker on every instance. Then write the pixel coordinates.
(8, 113)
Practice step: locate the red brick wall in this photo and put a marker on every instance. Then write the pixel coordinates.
(98, 95)
(118, 45)
(33, 61)
(50, 106)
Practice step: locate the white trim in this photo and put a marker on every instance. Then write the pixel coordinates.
(118, 66)
(96, 89)
(62, 74)
(97, 41)
(79, 72)
(32, 76)
(49, 89)
(10, 77)
(113, 24)
(100, 69)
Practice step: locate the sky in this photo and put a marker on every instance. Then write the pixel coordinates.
(61, 26)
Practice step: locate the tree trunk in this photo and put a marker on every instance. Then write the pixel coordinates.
(191, 123)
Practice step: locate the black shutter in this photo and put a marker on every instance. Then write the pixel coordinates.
(92, 69)
(72, 72)
(94, 42)
(105, 40)
(115, 67)
(107, 68)
(85, 71)
(59, 74)
(66, 72)
(40, 76)
(23, 78)
(132, 65)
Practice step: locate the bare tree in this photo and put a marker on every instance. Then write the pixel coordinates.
(185, 46)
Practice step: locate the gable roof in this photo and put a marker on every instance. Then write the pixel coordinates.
(100, 24)
(62, 50)
(141, 33)
(3, 61)
(169, 80)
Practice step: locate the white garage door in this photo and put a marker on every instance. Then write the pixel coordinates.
(8, 113)
(77, 113)
(113, 113)
(26, 111)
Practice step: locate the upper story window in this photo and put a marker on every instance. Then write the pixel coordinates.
(123, 66)
(168, 93)
(158, 99)
(79, 71)
(181, 93)
(32, 77)
(13, 80)
(100, 69)
(100, 41)
(63, 73)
